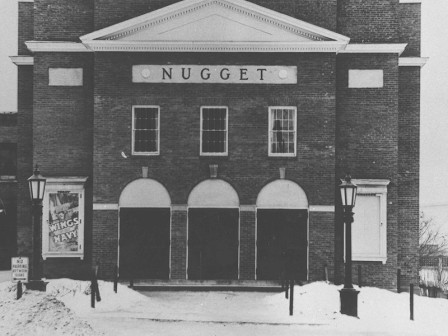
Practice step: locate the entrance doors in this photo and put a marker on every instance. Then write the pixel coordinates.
(213, 244)
(144, 243)
(281, 244)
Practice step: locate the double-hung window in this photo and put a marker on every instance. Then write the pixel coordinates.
(214, 135)
(282, 131)
(145, 130)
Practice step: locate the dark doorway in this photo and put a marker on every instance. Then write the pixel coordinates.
(281, 244)
(212, 244)
(144, 243)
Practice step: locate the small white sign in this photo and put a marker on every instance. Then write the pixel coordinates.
(19, 269)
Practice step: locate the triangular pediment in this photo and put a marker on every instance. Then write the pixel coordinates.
(214, 25)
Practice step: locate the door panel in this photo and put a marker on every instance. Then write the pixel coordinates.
(213, 244)
(144, 243)
(281, 244)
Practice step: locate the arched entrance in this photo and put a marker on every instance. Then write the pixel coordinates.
(144, 248)
(282, 231)
(213, 231)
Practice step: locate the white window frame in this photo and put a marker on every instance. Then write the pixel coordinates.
(73, 185)
(270, 109)
(378, 188)
(226, 153)
(133, 131)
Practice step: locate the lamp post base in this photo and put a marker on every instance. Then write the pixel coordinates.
(349, 301)
(37, 285)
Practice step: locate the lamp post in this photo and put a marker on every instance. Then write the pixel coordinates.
(348, 295)
(37, 190)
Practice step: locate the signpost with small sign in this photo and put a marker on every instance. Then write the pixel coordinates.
(19, 269)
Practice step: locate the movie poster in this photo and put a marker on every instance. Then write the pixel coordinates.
(63, 222)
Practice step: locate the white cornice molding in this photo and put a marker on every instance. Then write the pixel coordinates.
(411, 1)
(25, 0)
(367, 186)
(413, 61)
(375, 48)
(22, 60)
(67, 179)
(55, 46)
(135, 46)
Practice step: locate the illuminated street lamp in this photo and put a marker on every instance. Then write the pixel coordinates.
(37, 190)
(348, 295)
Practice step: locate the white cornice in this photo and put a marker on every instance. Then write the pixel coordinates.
(67, 179)
(413, 61)
(25, 0)
(375, 48)
(55, 46)
(22, 60)
(411, 1)
(135, 46)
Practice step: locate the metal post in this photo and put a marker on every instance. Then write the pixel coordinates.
(92, 290)
(398, 280)
(359, 276)
(411, 299)
(19, 290)
(291, 298)
(286, 288)
(348, 249)
(348, 295)
(37, 241)
(115, 279)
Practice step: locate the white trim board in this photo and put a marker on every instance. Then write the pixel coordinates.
(22, 60)
(105, 206)
(375, 48)
(413, 61)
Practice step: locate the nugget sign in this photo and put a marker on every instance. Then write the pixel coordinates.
(220, 74)
(19, 269)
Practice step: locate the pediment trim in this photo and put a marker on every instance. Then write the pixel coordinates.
(162, 30)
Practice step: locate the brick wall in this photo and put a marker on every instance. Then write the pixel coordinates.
(408, 169)
(179, 244)
(105, 238)
(367, 147)
(247, 167)
(64, 126)
(367, 21)
(62, 20)
(26, 26)
(24, 158)
(321, 245)
(247, 245)
(410, 28)
(63, 139)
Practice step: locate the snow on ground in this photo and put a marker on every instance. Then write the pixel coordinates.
(65, 310)
(37, 313)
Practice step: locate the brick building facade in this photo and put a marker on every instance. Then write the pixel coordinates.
(205, 139)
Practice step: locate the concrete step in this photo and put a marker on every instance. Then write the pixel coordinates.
(205, 285)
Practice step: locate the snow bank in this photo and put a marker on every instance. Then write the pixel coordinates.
(37, 313)
(76, 295)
